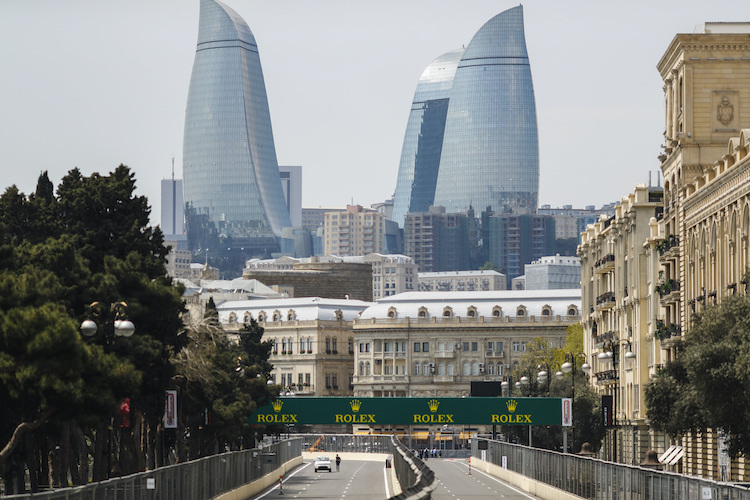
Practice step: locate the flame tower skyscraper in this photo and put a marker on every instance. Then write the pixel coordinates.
(487, 137)
(233, 193)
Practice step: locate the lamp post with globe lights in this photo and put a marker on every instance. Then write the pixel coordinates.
(611, 353)
(114, 317)
(569, 366)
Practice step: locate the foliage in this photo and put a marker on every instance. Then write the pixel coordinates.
(707, 386)
(587, 402)
(58, 254)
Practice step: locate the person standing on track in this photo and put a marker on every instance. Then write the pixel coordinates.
(338, 462)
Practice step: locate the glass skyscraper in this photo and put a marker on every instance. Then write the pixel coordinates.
(488, 148)
(233, 192)
(423, 141)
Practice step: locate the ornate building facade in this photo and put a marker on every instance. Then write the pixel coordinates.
(422, 344)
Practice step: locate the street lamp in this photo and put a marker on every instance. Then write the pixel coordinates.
(611, 352)
(543, 376)
(570, 367)
(114, 314)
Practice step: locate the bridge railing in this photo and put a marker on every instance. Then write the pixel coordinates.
(599, 479)
(195, 480)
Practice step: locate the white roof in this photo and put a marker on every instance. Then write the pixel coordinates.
(305, 308)
(408, 304)
(443, 274)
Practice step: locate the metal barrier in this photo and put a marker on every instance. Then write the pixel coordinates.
(597, 479)
(411, 471)
(196, 480)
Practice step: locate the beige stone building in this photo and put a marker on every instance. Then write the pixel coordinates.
(422, 344)
(619, 271)
(705, 227)
(640, 297)
(356, 231)
(391, 274)
(313, 353)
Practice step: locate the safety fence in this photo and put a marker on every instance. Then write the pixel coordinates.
(417, 480)
(195, 480)
(598, 479)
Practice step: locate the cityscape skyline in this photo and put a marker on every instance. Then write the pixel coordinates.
(122, 99)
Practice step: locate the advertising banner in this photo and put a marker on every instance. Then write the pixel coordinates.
(412, 411)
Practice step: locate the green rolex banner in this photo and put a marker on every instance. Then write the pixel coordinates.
(413, 411)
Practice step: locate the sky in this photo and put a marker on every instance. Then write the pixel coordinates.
(93, 84)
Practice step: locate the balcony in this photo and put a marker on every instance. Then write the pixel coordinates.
(599, 340)
(669, 248)
(668, 290)
(605, 301)
(495, 354)
(668, 334)
(445, 354)
(606, 377)
(605, 264)
(444, 379)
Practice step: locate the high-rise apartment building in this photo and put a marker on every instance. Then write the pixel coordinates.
(518, 239)
(438, 241)
(172, 211)
(231, 176)
(355, 231)
(475, 110)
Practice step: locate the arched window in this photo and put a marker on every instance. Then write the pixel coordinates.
(426, 368)
(367, 368)
(247, 318)
(392, 312)
(362, 368)
(277, 315)
(262, 316)
(447, 312)
(475, 368)
(572, 310)
(422, 312)
(497, 312)
(490, 368)
(546, 311)
(417, 368)
(338, 315)
(521, 311)
(471, 312)
(441, 368)
(291, 315)
(232, 318)
(451, 369)
(467, 368)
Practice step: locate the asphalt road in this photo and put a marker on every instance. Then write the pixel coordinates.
(356, 480)
(367, 480)
(455, 483)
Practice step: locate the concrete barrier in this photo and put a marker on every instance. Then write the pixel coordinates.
(524, 483)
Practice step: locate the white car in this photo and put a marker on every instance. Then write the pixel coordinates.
(322, 463)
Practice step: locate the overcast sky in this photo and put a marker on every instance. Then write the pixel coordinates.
(92, 84)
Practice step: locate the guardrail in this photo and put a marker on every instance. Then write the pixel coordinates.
(195, 480)
(598, 479)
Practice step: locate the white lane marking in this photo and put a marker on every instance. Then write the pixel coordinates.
(385, 479)
(284, 480)
(521, 492)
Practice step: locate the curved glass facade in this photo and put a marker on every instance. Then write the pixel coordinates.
(423, 141)
(232, 186)
(490, 155)
(471, 138)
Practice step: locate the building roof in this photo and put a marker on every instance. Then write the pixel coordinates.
(305, 308)
(408, 304)
(450, 274)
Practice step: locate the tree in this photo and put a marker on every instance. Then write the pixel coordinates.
(707, 385)
(57, 255)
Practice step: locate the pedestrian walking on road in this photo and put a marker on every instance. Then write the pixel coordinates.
(338, 462)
